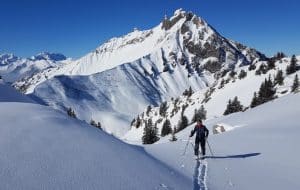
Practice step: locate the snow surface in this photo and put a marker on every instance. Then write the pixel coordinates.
(260, 154)
(8, 94)
(45, 149)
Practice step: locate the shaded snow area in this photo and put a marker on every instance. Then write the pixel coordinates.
(8, 94)
(45, 149)
(259, 151)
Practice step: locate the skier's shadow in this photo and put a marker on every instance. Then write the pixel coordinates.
(234, 156)
(199, 176)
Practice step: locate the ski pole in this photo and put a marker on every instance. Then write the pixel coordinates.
(209, 148)
(187, 143)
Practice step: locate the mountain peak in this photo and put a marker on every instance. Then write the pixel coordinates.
(49, 56)
(179, 15)
(7, 58)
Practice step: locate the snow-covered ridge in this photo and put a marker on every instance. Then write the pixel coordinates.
(13, 68)
(49, 56)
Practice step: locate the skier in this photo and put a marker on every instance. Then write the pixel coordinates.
(201, 136)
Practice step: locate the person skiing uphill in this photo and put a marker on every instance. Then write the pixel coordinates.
(201, 136)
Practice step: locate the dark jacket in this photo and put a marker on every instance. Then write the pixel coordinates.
(201, 132)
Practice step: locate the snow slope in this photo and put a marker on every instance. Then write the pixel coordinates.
(258, 153)
(45, 149)
(8, 94)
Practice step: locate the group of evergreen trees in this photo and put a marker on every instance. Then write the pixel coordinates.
(199, 114)
(295, 86)
(166, 128)
(182, 123)
(97, 125)
(188, 92)
(292, 67)
(266, 93)
(150, 134)
(242, 74)
(233, 106)
(71, 113)
(279, 78)
(163, 109)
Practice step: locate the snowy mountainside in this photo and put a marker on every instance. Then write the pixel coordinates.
(13, 68)
(184, 38)
(259, 152)
(155, 65)
(214, 99)
(115, 96)
(45, 149)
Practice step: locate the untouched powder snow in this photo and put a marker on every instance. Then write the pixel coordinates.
(45, 149)
(261, 153)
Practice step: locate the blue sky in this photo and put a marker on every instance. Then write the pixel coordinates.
(76, 27)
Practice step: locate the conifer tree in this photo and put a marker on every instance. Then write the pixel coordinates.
(99, 125)
(199, 114)
(233, 106)
(149, 108)
(266, 91)
(150, 134)
(252, 67)
(271, 64)
(183, 123)
(138, 122)
(242, 74)
(173, 138)
(93, 123)
(222, 83)
(295, 86)
(292, 68)
(279, 78)
(232, 73)
(71, 113)
(166, 128)
(163, 109)
(254, 101)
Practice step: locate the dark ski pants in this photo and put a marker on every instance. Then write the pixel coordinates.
(202, 143)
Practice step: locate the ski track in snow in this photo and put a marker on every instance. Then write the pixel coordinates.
(199, 177)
